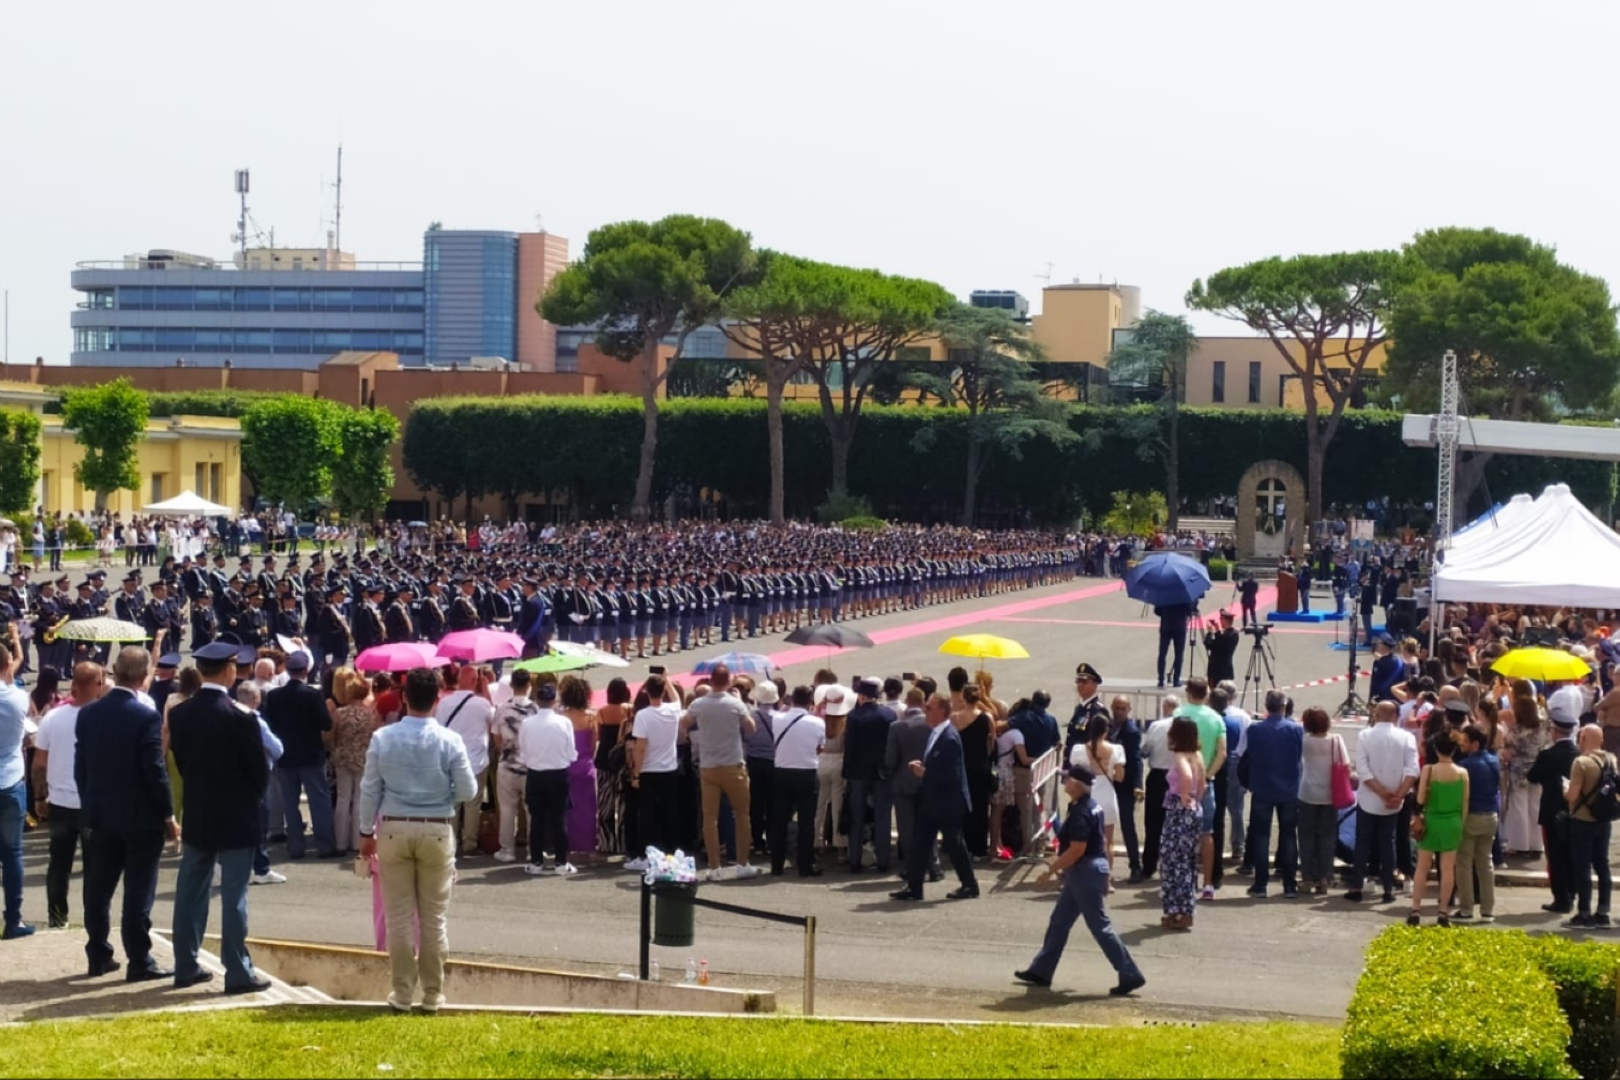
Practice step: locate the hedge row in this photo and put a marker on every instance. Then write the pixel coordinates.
(1485, 1004)
(165, 403)
(588, 447)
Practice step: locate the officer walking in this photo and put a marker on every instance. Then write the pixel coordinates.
(1083, 864)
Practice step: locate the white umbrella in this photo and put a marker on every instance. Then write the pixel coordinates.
(187, 504)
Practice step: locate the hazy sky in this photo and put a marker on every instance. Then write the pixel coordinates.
(1141, 142)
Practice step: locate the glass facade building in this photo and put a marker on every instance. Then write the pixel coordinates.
(470, 283)
(135, 314)
(461, 301)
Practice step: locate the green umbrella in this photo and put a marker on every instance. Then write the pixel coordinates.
(553, 663)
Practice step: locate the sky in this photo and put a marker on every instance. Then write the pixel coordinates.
(1143, 142)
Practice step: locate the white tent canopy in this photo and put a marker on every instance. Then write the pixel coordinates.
(1553, 552)
(187, 504)
(1489, 525)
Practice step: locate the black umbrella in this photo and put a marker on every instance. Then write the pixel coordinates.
(830, 636)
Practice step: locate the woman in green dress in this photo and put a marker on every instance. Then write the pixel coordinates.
(1443, 796)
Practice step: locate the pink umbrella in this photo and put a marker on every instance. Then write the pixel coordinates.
(399, 656)
(479, 645)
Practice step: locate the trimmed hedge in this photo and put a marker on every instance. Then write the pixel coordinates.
(1430, 1005)
(166, 403)
(1585, 973)
(588, 447)
(1491, 1003)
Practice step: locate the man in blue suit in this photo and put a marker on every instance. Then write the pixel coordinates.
(531, 624)
(942, 806)
(123, 783)
(219, 752)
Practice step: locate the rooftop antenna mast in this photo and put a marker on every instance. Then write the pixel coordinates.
(1046, 277)
(337, 220)
(241, 236)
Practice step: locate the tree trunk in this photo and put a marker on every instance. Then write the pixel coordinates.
(641, 504)
(776, 382)
(1172, 479)
(840, 459)
(970, 495)
(1315, 455)
(101, 501)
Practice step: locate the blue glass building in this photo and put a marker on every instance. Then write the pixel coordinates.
(470, 281)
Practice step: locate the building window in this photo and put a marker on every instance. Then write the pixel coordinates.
(157, 486)
(1217, 391)
(1254, 382)
(200, 488)
(216, 487)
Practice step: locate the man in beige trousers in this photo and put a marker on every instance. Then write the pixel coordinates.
(717, 723)
(416, 774)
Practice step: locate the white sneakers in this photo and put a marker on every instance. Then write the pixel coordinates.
(548, 870)
(269, 877)
(635, 866)
(431, 1002)
(505, 856)
(746, 870)
(742, 870)
(397, 1005)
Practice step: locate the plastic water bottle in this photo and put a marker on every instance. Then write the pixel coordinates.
(653, 971)
(691, 972)
(703, 973)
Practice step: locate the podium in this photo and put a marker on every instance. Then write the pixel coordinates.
(1287, 592)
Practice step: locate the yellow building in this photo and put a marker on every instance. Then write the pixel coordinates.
(1077, 322)
(1249, 372)
(199, 453)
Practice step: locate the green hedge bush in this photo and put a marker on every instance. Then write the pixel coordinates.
(1429, 1006)
(1585, 974)
(1503, 1004)
(588, 448)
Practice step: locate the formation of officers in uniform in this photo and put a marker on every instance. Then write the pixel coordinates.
(634, 590)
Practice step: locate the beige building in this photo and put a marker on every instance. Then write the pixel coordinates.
(1077, 322)
(202, 453)
(274, 258)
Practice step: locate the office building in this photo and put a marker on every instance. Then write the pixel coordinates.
(472, 296)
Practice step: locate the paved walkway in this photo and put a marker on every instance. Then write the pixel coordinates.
(45, 979)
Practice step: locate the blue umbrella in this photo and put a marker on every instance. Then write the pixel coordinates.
(738, 664)
(1165, 579)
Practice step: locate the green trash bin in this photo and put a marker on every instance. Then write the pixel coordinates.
(673, 912)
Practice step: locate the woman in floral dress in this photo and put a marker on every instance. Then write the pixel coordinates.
(1183, 819)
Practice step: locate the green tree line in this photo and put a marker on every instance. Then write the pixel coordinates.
(583, 451)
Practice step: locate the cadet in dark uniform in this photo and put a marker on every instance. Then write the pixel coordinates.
(1083, 863)
(430, 613)
(368, 621)
(204, 620)
(464, 608)
(335, 642)
(397, 623)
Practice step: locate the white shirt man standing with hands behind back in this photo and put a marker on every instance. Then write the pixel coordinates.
(416, 774)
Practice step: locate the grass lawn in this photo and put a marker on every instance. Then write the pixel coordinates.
(327, 1042)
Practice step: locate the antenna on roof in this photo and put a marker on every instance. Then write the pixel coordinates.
(1046, 277)
(337, 218)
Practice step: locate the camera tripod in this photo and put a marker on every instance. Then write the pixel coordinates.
(1262, 661)
(1354, 704)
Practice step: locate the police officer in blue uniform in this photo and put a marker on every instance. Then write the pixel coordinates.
(1082, 861)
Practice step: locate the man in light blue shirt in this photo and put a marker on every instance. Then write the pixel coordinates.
(13, 795)
(416, 773)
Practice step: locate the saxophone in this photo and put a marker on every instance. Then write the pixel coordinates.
(50, 632)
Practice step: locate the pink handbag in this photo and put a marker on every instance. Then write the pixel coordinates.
(1344, 792)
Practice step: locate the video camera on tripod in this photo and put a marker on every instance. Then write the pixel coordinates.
(1258, 631)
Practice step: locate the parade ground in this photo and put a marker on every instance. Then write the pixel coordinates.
(878, 958)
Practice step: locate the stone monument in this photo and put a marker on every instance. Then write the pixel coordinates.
(1270, 511)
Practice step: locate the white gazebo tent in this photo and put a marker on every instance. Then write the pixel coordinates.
(187, 504)
(1554, 552)
(1485, 528)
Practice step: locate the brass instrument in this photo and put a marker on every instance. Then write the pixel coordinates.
(49, 636)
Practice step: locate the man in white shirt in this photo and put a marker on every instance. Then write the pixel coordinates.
(654, 761)
(473, 718)
(545, 750)
(1387, 765)
(1160, 760)
(799, 736)
(54, 744)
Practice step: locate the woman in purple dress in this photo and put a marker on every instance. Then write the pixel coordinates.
(574, 694)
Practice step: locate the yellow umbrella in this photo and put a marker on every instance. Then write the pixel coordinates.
(1542, 665)
(984, 647)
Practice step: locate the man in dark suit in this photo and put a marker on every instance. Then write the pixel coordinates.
(296, 714)
(531, 624)
(866, 739)
(1550, 769)
(221, 759)
(907, 742)
(942, 805)
(1221, 646)
(123, 783)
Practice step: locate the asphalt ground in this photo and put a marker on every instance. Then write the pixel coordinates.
(939, 958)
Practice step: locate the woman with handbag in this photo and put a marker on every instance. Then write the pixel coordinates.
(1442, 798)
(1325, 787)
